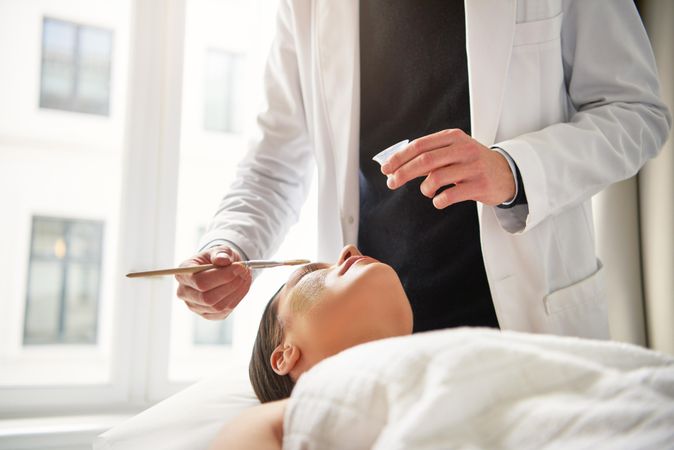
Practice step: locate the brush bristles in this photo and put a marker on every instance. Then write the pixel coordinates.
(296, 262)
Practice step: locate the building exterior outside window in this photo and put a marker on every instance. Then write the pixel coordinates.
(63, 281)
(76, 64)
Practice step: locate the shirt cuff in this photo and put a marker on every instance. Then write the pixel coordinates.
(216, 242)
(513, 170)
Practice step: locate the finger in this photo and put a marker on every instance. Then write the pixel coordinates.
(459, 193)
(223, 255)
(219, 316)
(445, 176)
(224, 307)
(209, 279)
(206, 256)
(422, 165)
(209, 298)
(225, 258)
(418, 146)
(233, 299)
(206, 314)
(203, 311)
(216, 316)
(201, 258)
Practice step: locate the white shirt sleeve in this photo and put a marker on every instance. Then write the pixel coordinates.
(513, 170)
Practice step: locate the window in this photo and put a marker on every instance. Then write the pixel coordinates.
(63, 281)
(223, 83)
(75, 67)
(75, 334)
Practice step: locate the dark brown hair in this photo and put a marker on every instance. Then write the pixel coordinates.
(267, 384)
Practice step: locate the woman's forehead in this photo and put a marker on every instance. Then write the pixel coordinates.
(298, 274)
(301, 290)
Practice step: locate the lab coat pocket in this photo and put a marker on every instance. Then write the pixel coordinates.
(535, 93)
(538, 31)
(584, 294)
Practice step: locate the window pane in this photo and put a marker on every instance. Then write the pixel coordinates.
(93, 82)
(48, 238)
(58, 83)
(43, 311)
(222, 91)
(95, 46)
(58, 63)
(93, 90)
(81, 305)
(85, 241)
(58, 40)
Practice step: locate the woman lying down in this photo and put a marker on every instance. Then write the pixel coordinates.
(338, 338)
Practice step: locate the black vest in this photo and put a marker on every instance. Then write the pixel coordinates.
(414, 81)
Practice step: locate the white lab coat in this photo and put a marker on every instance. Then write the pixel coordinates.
(567, 88)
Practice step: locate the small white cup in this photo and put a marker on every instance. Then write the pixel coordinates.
(384, 155)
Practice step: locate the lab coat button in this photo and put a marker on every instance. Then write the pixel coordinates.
(350, 219)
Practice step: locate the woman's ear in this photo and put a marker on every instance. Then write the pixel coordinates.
(284, 358)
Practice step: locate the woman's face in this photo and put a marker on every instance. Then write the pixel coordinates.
(327, 308)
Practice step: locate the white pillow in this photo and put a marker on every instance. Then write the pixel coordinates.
(188, 420)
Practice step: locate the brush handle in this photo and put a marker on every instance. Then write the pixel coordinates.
(253, 264)
(174, 271)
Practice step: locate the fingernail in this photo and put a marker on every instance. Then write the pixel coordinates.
(222, 255)
(390, 182)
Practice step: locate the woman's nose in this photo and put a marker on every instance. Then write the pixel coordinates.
(349, 250)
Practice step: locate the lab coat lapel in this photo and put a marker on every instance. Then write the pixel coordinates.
(338, 59)
(490, 27)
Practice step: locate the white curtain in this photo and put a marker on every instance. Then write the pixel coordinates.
(635, 221)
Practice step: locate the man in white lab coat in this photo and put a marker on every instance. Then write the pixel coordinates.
(561, 98)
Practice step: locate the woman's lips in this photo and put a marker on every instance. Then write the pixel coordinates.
(350, 261)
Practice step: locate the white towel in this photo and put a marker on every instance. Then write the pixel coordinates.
(476, 388)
